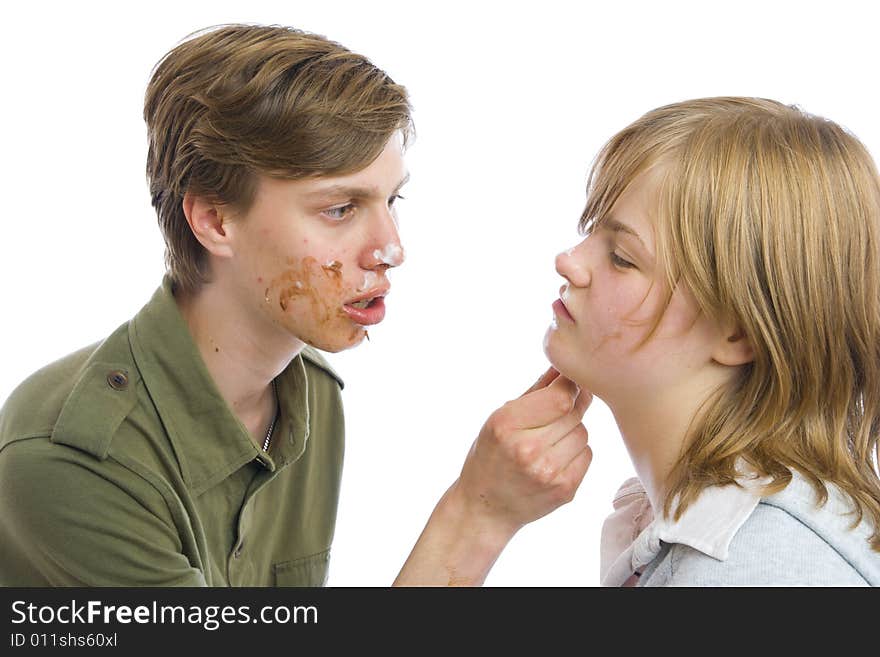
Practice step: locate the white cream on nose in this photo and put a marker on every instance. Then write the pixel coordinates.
(392, 254)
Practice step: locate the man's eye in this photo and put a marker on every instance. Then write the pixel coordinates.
(340, 213)
(620, 262)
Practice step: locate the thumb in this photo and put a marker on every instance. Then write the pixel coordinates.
(585, 397)
(543, 381)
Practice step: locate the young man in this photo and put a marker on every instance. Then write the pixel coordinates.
(201, 443)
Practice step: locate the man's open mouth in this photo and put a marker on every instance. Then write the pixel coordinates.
(366, 311)
(364, 303)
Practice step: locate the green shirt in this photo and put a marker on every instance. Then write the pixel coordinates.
(121, 465)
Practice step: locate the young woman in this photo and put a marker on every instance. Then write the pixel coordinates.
(725, 304)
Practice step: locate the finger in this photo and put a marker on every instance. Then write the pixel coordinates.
(573, 457)
(545, 437)
(585, 398)
(569, 446)
(573, 474)
(543, 406)
(543, 380)
(564, 465)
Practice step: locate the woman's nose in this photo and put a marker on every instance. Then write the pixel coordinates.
(572, 266)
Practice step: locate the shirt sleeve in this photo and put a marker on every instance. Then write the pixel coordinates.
(68, 519)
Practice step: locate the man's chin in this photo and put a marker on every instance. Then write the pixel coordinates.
(341, 344)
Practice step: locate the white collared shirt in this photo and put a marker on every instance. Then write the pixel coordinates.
(631, 535)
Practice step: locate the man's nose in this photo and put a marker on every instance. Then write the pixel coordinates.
(384, 248)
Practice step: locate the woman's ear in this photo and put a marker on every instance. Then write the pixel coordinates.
(734, 348)
(205, 220)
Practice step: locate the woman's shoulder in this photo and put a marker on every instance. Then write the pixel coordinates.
(774, 547)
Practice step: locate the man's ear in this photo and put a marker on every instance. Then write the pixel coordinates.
(734, 348)
(205, 219)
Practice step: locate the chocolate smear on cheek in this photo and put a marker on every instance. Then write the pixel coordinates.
(309, 280)
(334, 267)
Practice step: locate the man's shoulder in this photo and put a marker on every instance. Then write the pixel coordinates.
(79, 394)
(316, 362)
(34, 405)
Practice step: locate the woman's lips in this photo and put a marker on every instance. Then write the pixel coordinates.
(560, 309)
(372, 314)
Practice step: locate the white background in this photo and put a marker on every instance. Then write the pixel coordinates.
(512, 101)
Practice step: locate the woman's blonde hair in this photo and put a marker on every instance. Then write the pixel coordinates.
(769, 216)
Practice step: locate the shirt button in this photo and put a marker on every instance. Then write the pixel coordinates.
(118, 379)
(237, 552)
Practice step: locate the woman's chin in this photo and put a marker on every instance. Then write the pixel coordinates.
(555, 353)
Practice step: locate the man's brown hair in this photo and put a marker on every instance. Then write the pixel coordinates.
(236, 101)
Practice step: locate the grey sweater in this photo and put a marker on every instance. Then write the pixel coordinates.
(732, 537)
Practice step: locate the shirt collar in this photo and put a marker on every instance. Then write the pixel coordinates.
(208, 439)
(632, 536)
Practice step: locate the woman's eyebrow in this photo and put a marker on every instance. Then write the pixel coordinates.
(616, 226)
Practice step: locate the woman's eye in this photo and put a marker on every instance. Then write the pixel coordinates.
(396, 197)
(340, 213)
(620, 262)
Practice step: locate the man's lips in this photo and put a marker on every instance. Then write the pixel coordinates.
(373, 313)
(560, 309)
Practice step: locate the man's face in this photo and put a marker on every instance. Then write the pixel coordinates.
(311, 255)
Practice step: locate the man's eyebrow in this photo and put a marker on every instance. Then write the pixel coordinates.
(616, 226)
(354, 190)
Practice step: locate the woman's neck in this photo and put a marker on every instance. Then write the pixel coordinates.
(655, 429)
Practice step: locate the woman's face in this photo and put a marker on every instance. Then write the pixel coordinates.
(614, 290)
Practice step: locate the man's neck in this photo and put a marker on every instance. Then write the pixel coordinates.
(242, 353)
